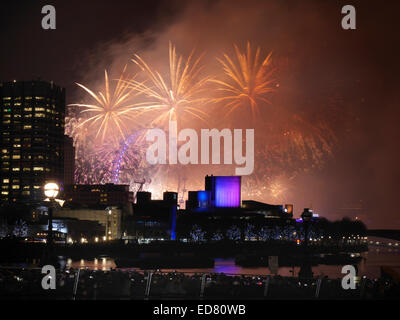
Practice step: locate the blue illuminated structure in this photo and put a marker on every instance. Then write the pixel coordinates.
(225, 191)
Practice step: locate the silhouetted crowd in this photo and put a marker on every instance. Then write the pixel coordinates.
(124, 284)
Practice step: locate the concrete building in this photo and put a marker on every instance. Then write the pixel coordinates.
(99, 194)
(110, 218)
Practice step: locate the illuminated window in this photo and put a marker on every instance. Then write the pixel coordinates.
(6, 115)
(17, 139)
(6, 121)
(40, 115)
(4, 192)
(15, 187)
(39, 109)
(6, 180)
(16, 156)
(7, 98)
(4, 151)
(27, 127)
(39, 98)
(36, 187)
(28, 98)
(17, 104)
(16, 169)
(17, 116)
(38, 169)
(27, 109)
(16, 145)
(28, 116)
(5, 157)
(26, 187)
(27, 169)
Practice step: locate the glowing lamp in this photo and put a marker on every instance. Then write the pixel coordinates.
(51, 190)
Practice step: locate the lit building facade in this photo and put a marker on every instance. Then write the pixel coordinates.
(32, 139)
(110, 218)
(99, 194)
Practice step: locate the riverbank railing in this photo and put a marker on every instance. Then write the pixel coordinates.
(84, 284)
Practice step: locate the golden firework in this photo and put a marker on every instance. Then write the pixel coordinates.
(249, 79)
(176, 95)
(109, 115)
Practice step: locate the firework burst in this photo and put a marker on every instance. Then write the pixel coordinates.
(112, 110)
(249, 80)
(176, 96)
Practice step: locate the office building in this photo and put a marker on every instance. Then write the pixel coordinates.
(32, 139)
(69, 161)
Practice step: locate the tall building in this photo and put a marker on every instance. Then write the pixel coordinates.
(32, 138)
(69, 160)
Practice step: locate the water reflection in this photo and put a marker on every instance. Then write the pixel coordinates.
(369, 266)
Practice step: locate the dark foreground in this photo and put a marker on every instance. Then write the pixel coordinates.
(24, 284)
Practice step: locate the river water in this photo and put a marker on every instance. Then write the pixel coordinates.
(376, 257)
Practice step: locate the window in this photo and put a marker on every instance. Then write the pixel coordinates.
(16, 169)
(15, 187)
(38, 169)
(6, 180)
(16, 156)
(27, 127)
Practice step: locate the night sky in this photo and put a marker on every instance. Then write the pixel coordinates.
(358, 69)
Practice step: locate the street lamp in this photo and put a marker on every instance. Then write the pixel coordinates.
(306, 216)
(305, 269)
(50, 191)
